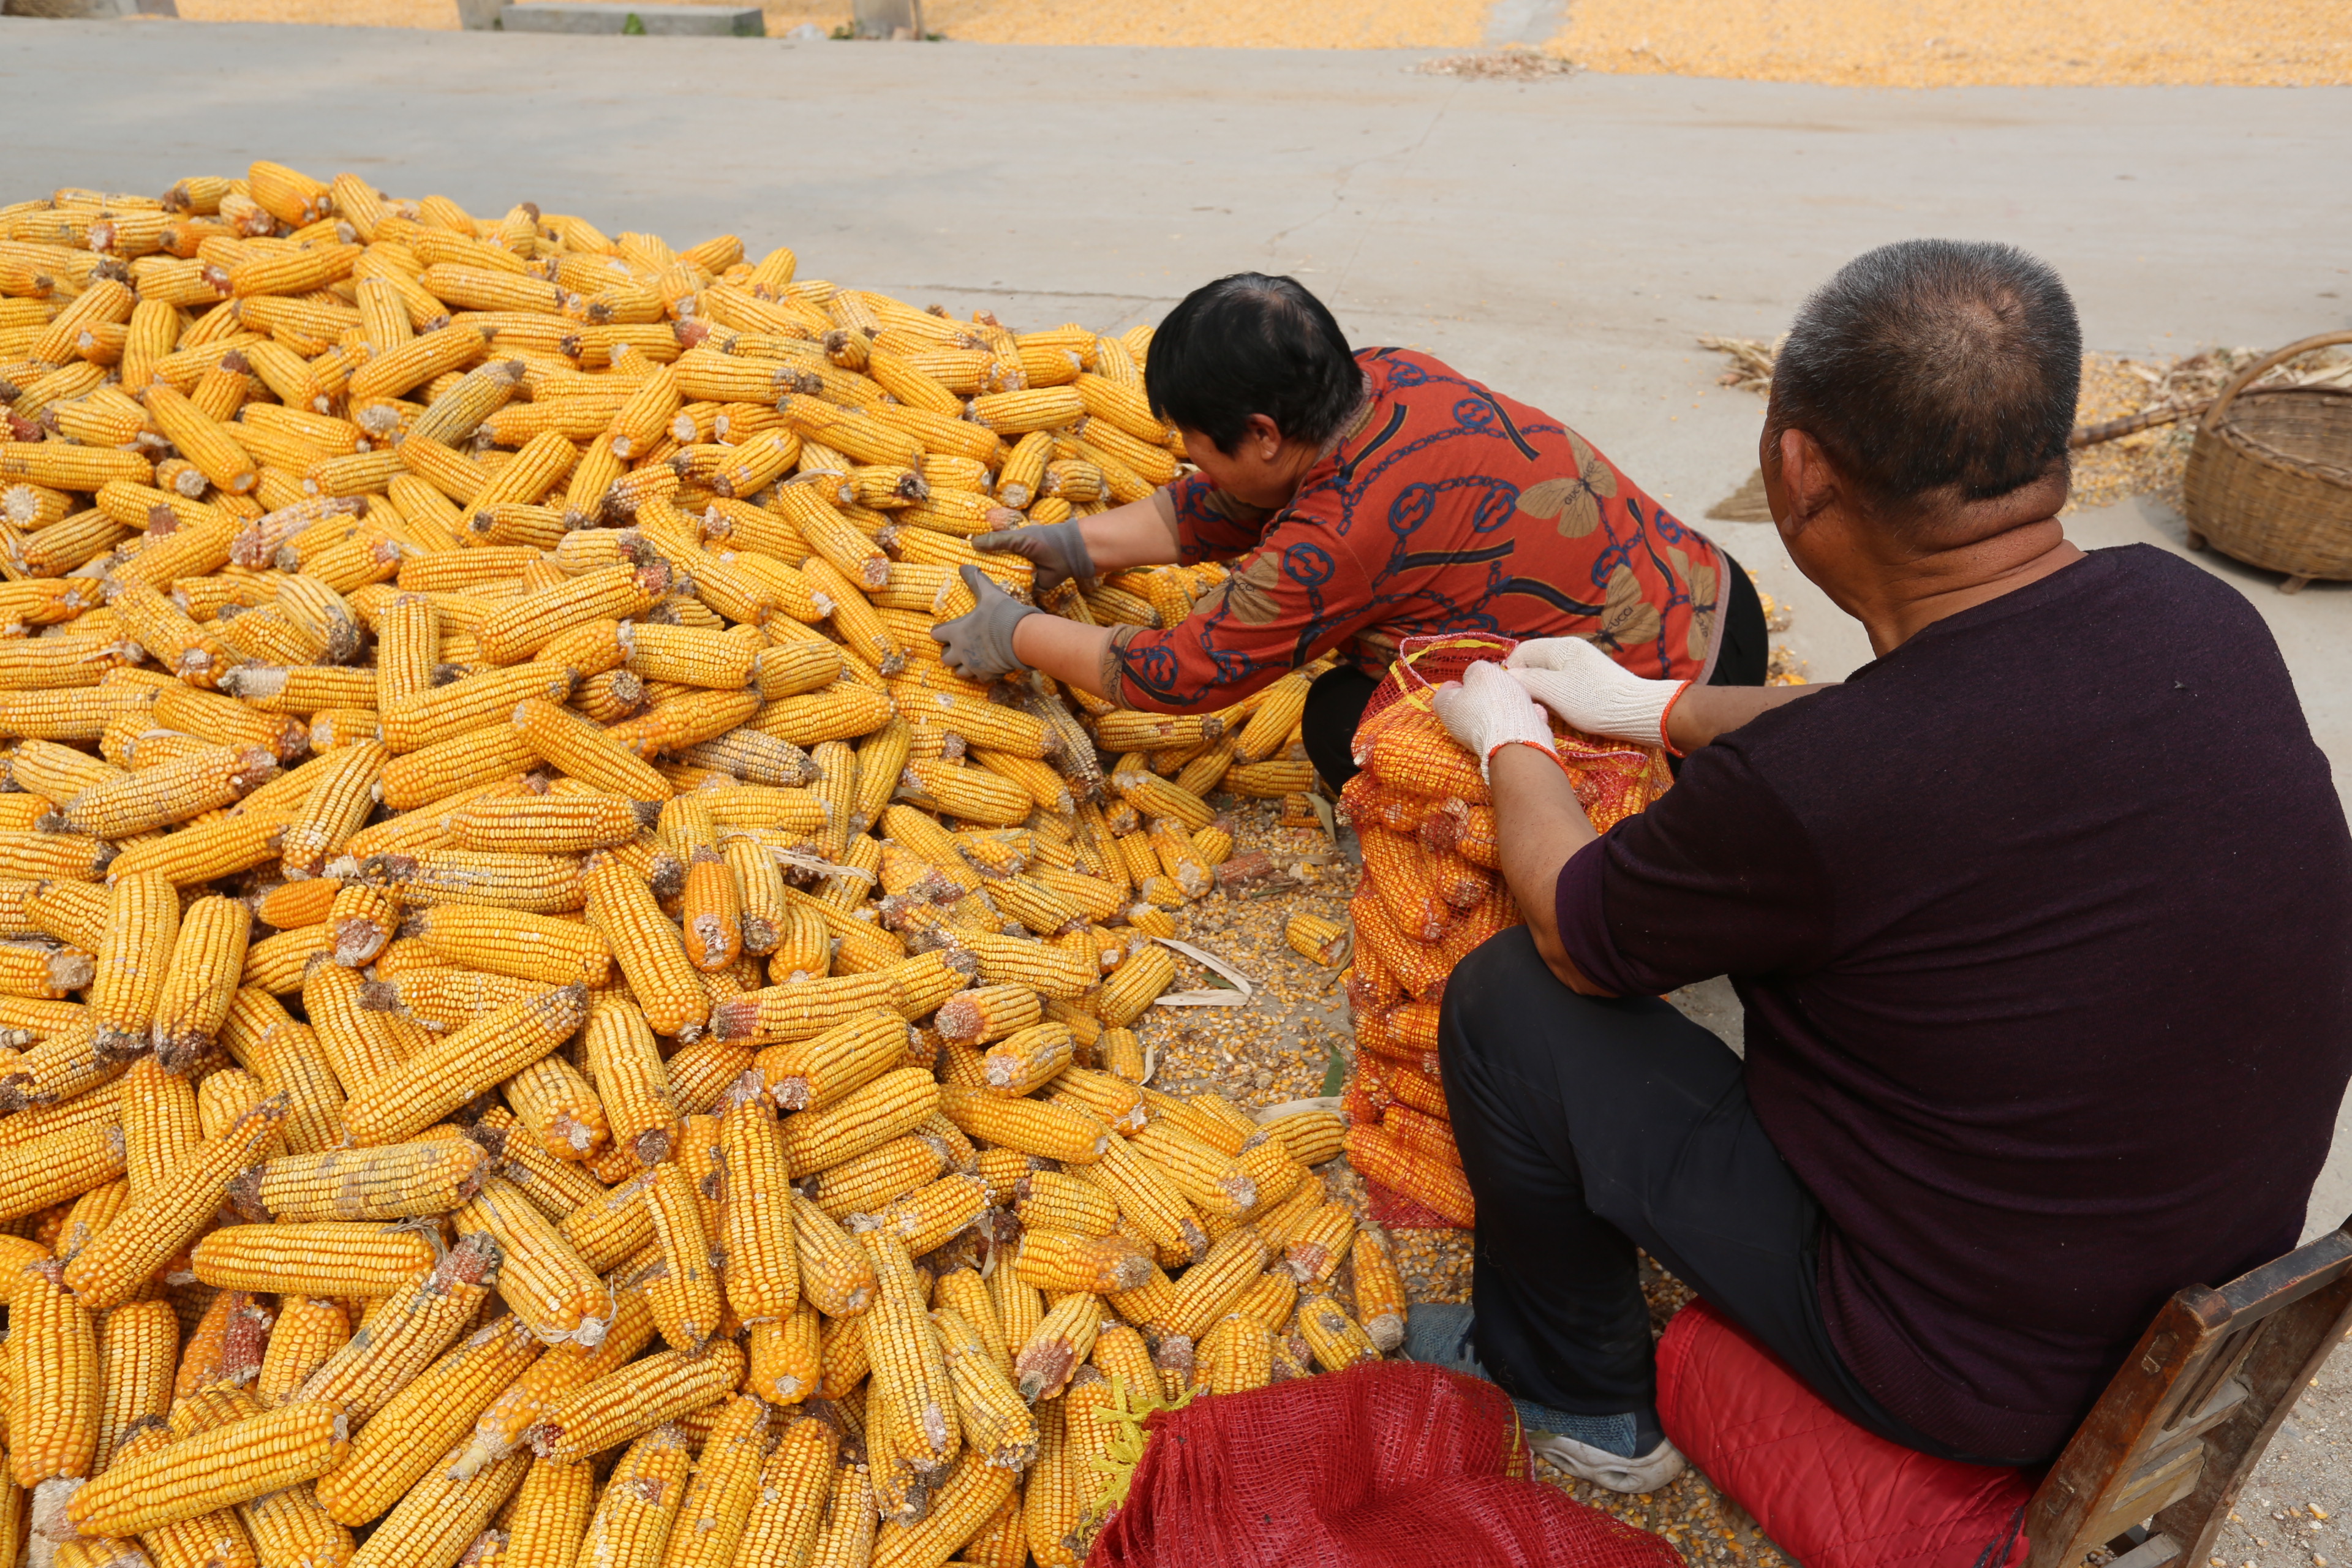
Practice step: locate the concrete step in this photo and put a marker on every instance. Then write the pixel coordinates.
(612, 16)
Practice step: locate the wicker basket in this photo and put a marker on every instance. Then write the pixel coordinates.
(2270, 477)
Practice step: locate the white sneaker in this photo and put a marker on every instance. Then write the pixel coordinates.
(1644, 1473)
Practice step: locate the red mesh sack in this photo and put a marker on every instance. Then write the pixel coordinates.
(1829, 1494)
(1421, 807)
(1389, 1464)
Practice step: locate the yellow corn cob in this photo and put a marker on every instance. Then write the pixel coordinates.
(120, 1259)
(502, 1428)
(406, 1333)
(542, 1276)
(337, 804)
(795, 1484)
(835, 1273)
(683, 1289)
(143, 921)
(846, 1537)
(1270, 1300)
(1236, 1355)
(419, 1426)
(1025, 1059)
(1206, 1176)
(469, 1061)
(817, 1072)
(874, 1180)
(551, 825)
(1318, 1246)
(1064, 1260)
(434, 1523)
(1210, 1288)
(332, 1258)
(207, 956)
(138, 1346)
(784, 1356)
(399, 1181)
(307, 1333)
(232, 1463)
(1054, 1349)
(289, 1529)
(870, 1116)
(514, 942)
(1336, 1340)
(1034, 1127)
(649, 949)
(755, 1238)
(726, 1482)
(1067, 1203)
(550, 1516)
(842, 1361)
(1055, 1496)
(554, 1104)
(160, 1126)
(930, 1216)
(911, 1391)
(625, 1405)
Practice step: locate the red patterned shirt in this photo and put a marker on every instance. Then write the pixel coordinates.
(1444, 508)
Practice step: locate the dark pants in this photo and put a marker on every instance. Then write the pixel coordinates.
(1590, 1127)
(1335, 703)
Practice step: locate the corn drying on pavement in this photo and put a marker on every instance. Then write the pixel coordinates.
(1846, 43)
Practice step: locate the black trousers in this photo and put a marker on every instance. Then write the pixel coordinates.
(1590, 1127)
(1335, 703)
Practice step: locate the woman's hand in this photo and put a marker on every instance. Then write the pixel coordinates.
(1058, 550)
(978, 644)
(1487, 711)
(1592, 692)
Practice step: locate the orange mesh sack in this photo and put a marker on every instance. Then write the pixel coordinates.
(1429, 894)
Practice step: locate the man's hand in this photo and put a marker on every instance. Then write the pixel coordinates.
(1058, 550)
(979, 646)
(1487, 711)
(1592, 692)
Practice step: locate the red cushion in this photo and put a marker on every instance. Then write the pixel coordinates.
(1829, 1494)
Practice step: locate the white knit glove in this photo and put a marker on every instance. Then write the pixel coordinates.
(1593, 693)
(1487, 711)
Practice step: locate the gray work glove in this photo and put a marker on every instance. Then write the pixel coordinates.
(1058, 550)
(979, 646)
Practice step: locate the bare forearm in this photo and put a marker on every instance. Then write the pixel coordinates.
(1140, 533)
(1070, 653)
(1539, 824)
(1703, 712)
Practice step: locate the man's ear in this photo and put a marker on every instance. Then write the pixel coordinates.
(1807, 479)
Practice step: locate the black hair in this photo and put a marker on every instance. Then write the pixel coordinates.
(1249, 344)
(1933, 370)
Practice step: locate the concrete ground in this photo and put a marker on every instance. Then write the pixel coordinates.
(1564, 239)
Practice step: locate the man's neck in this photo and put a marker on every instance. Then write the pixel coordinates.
(1926, 589)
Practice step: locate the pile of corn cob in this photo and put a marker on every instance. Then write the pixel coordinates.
(515, 956)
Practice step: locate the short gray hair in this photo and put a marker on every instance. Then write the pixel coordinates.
(1934, 365)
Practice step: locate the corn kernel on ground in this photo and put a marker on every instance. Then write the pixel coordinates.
(1852, 43)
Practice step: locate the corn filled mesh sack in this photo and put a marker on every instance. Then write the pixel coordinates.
(1431, 893)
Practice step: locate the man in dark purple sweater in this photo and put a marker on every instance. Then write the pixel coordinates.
(2043, 922)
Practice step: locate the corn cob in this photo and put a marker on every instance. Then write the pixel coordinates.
(433, 1524)
(391, 1455)
(626, 1404)
(307, 1333)
(331, 1258)
(114, 1264)
(412, 1327)
(399, 1181)
(469, 1061)
(553, 1290)
(234, 1463)
(138, 1346)
(785, 1356)
(550, 1516)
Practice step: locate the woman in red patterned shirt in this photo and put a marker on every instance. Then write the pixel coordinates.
(1363, 497)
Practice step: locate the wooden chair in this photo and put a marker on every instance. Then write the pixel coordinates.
(2151, 1473)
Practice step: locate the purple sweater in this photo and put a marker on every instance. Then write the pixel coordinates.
(2044, 926)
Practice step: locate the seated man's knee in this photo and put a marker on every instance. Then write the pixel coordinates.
(1487, 994)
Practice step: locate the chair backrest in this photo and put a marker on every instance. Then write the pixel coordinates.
(2185, 1421)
